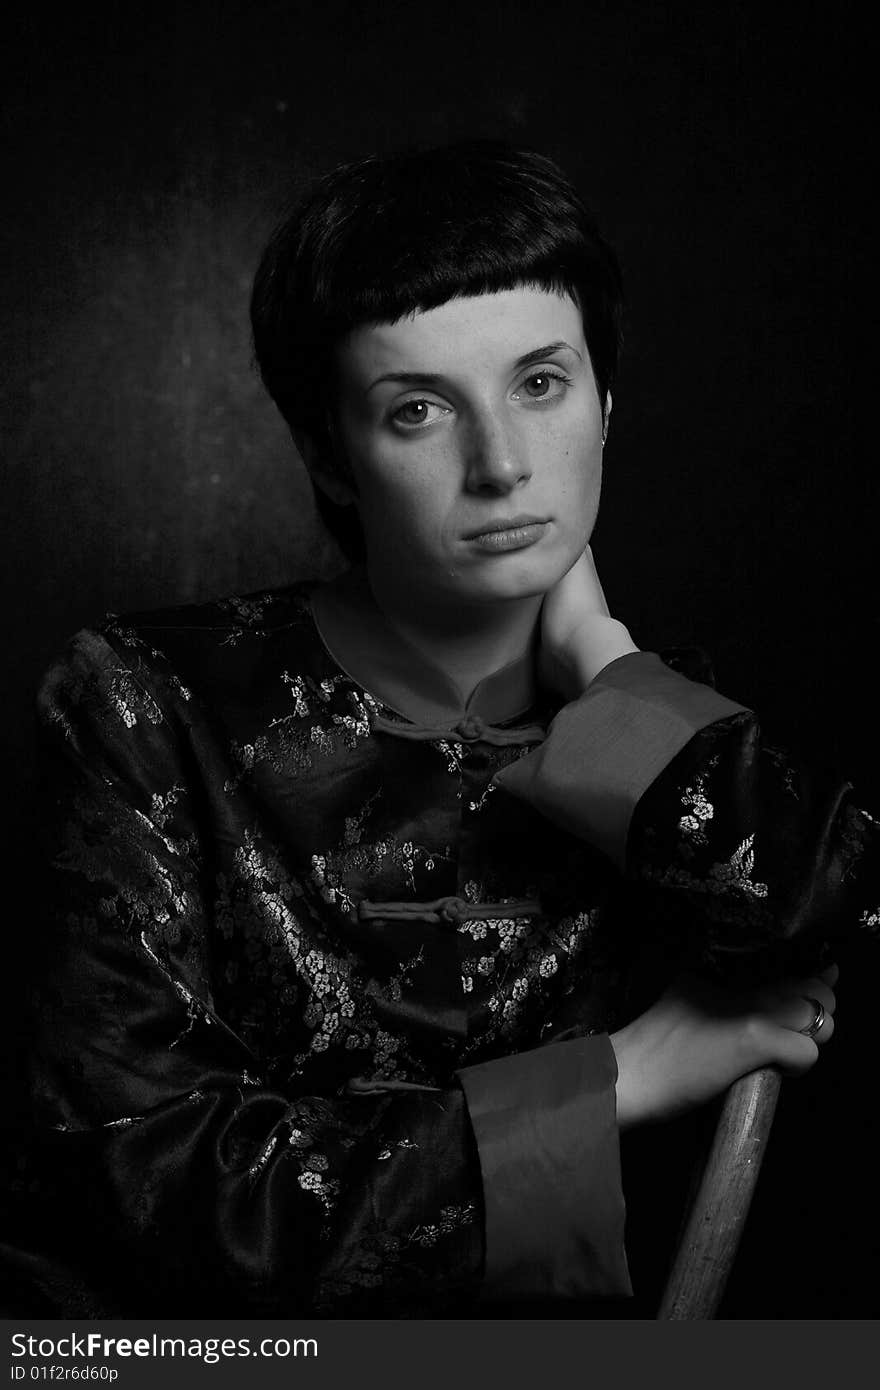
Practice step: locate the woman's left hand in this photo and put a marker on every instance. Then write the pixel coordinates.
(578, 635)
(697, 1039)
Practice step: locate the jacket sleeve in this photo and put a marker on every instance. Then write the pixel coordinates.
(546, 1128)
(174, 1174)
(765, 858)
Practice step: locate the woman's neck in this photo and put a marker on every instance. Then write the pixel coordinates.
(469, 641)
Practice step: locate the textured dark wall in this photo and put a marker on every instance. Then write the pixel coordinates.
(153, 147)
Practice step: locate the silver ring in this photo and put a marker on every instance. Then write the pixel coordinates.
(818, 1022)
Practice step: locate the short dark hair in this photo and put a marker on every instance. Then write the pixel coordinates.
(375, 240)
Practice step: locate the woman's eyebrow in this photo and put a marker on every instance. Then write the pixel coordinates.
(424, 378)
(537, 354)
(407, 378)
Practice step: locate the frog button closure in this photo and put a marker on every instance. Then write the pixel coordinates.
(470, 728)
(454, 910)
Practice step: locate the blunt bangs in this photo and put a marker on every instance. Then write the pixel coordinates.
(381, 239)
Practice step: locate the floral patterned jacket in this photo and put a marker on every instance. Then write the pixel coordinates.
(322, 1024)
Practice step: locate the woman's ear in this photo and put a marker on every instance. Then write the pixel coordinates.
(606, 416)
(326, 468)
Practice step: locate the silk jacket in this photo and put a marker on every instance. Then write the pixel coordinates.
(322, 1021)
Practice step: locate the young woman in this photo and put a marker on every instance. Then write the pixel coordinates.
(343, 1010)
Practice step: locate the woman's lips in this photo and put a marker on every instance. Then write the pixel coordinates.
(515, 536)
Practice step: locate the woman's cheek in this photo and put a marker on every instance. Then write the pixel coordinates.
(399, 519)
(584, 485)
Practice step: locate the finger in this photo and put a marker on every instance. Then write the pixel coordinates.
(825, 1019)
(779, 996)
(817, 988)
(830, 975)
(598, 601)
(793, 1052)
(799, 1012)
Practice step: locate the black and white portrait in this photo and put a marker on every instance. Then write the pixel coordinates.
(438, 535)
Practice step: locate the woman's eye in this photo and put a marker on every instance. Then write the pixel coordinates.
(412, 414)
(542, 386)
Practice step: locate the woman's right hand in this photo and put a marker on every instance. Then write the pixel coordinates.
(578, 635)
(697, 1040)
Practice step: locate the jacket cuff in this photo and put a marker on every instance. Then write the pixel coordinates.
(604, 750)
(546, 1130)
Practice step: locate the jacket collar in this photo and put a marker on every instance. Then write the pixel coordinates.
(362, 642)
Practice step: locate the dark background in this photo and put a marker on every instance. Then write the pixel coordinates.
(152, 148)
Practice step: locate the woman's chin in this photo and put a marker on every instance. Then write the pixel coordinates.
(511, 577)
(474, 579)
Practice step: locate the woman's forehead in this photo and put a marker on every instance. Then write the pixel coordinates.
(476, 331)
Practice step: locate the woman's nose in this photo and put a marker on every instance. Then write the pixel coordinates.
(496, 459)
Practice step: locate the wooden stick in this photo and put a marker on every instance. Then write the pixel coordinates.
(717, 1217)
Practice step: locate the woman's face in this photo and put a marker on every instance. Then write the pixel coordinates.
(473, 437)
